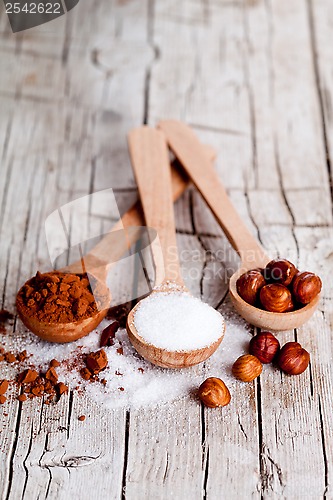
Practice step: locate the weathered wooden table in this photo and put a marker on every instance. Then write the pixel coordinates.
(255, 80)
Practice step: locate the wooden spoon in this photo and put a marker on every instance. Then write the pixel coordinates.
(151, 166)
(97, 263)
(186, 146)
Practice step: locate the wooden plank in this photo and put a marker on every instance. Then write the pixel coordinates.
(300, 175)
(57, 146)
(181, 73)
(320, 16)
(244, 76)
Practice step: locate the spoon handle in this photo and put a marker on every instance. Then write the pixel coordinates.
(110, 249)
(151, 166)
(187, 148)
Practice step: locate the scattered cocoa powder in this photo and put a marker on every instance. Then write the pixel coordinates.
(51, 375)
(108, 334)
(5, 316)
(120, 350)
(22, 356)
(37, 390)
(36, 384)
(96, 361)
(85, 373)
(54, 363)
(59, 297)
(10, 357)
(27, 376)
(120, 313)
(61, 388)
(3, 386)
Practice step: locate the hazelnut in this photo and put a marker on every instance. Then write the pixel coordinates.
(264, 346)
(213, 393)
(249, 285)
(306, 286)
(280, 271)
(247, 368)
(276, 298)
(293, 359)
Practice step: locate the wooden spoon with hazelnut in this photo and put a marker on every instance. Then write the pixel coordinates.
(149, 154)
(186, 146)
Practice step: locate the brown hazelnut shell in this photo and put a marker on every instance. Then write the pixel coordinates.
(305, 287)
(280, 271)
(276, 298)
(249, 285)
(214, 393)
(264, 346)
(246, 368)
(293, 359)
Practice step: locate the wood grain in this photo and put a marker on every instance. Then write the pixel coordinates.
(255, 80)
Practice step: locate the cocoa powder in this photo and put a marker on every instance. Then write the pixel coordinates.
(57, 297)
(5, 316)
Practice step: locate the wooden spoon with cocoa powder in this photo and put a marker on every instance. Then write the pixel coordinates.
(97, 262)
(187, 148)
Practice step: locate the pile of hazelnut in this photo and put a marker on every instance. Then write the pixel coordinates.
(278, 288)
(264, 348)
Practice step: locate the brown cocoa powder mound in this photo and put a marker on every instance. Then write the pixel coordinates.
(59, 297)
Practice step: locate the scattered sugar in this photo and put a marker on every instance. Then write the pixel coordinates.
(132, 382)
(177, 322)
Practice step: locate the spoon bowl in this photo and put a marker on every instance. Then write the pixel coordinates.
(70, 331)
(163, 357)
(267, 320)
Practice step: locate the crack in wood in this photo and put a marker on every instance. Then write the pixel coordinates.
(6, 494)
(323, 447)
(6, 139)
(249, 89)
(70, 409)
(124, 475)
(149, 68)
(241, 426)
(218, 130)
(320, 95)
(206, 250)
(24, 463)
(166, 467)
(284, 195)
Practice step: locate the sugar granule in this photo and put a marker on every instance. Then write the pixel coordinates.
(177, 322)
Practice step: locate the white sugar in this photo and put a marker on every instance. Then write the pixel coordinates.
(177, 322)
